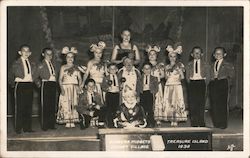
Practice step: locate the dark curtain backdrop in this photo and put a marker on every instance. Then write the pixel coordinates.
(56, 27)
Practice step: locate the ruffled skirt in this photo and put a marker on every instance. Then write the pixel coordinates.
(67, 105)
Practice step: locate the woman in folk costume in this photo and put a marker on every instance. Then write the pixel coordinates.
(157, 71)
(174, 107)
(70, 82)
(96, 68)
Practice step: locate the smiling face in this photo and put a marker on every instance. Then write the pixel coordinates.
(70, 58)
(48, 55)
(125, 36)
(25, 52)
(196, 54)
(152, 56)
(172, 57)
(219, 54)
(130, 98)
(98, 54)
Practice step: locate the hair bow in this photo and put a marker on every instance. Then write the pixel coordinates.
(100, 45)
(170, 49)
(67, 50)
(154, 48)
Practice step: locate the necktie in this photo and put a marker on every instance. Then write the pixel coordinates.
(51, 67)
(146, 82)
(196, 66)
(114, 80)
(92, 98)
(216, 65)
(27, 65)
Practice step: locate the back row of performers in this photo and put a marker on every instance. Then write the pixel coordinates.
(118, 93)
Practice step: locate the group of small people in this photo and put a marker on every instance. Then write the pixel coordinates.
(117, 94)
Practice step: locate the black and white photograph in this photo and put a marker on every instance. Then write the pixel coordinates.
(124, 79)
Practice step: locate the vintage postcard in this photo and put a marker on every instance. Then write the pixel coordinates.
(124, 78)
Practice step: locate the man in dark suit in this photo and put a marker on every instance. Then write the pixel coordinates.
(22, 75)
(197, 75)
(90, 105)
(148, 90)
(48, 75)
(222, 74)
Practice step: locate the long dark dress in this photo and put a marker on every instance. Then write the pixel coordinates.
(130, 53)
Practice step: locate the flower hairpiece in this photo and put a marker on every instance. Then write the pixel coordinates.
(67, 50)
(170, 49)
(154, 48)
(100, 45)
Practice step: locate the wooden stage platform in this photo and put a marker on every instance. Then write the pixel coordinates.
(74, 139)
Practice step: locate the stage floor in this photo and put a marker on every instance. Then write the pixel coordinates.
(73, 139)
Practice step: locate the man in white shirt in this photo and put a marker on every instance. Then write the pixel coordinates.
(22, 75)
(222, 74)
(48, 74)
(149, 89)
(197, 74)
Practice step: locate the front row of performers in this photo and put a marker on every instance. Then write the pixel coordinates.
(105, 95)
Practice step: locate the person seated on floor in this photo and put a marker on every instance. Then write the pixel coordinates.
(130, 113)
(90, 105)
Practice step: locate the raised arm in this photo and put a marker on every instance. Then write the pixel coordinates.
(79, 80)
(60, 80)
(114, 56)
(137, 55)
(85, 76)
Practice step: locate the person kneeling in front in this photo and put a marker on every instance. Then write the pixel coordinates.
(90, 106)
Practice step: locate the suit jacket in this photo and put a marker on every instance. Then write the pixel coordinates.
(43, 70)
(17, 70)
(83, 106)
(105, 83)
(138, 83)
(204, 69)
(153, 84)
(226, 71)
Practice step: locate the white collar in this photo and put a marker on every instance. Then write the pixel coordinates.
(24, 59)
(129, 105)
(219, 60)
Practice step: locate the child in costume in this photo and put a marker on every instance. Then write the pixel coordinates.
(174, 107)
(70, 82)
(96, 68)
(157, 71)
(130, 113)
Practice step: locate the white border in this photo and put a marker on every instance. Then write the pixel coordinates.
(3, 77)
